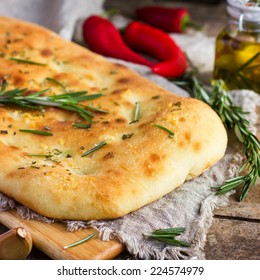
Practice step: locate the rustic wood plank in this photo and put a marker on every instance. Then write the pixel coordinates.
(233, 240)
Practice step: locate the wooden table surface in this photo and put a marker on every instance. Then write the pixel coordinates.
(235, 231)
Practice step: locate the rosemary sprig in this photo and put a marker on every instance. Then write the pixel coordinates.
(168, 236)
(233, 117)
(67, 101)
(38, 132)
(96, 147)
(80, 241)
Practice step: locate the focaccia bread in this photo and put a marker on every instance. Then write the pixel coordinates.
(140, 155)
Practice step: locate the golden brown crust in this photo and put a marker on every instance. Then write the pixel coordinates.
(139, 164)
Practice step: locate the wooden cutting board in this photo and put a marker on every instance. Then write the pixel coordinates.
(51, 238)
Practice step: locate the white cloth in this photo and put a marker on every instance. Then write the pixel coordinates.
(58, 15)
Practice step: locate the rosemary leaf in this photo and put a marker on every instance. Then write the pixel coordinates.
(37, 94)
(56, 82)
(85, 116)
(40, 155)
(229, 186)
(67, 96)
(75, 97)
(27, 61)
(94, 109)
(171, 241)
(95, 148)
(136, 112)
(88, 97)
(75, 108)
(171, 134)
(80, 241)
(39, 132)
(82, 125)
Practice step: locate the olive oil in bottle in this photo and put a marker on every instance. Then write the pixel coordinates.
(237, 52)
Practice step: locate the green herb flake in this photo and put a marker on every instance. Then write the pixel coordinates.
(178, 104)
(156, 97)
(3, 132)
(113, 72)
(127, 136)
(35, 167)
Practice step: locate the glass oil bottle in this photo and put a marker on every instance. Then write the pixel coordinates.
(237, 51)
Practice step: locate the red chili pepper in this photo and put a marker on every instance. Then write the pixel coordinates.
(168, 19)
(102, 37)
(156, 43)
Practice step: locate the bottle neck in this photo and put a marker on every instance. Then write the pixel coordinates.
(244, 25)
(248, 32)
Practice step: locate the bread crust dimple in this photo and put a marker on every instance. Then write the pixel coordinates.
(139, 163)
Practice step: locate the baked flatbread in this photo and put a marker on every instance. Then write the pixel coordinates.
(136, 159)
